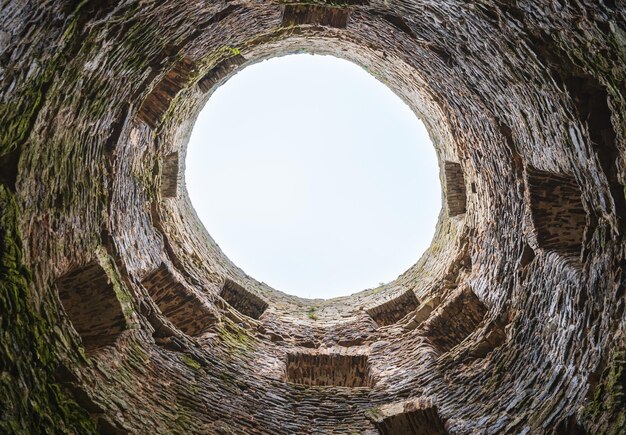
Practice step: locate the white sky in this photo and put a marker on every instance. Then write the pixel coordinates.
(313, 176)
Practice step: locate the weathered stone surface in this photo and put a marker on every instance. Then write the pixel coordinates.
(170, 176)
(455, 188)
(557, 211)
(527, 97)
(89, 299)
(242, 300)
(394, 309)
(329, 368)
(454, 320)
(179, 303)
(410, 417)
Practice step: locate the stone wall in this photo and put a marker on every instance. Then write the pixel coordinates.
(113, 312)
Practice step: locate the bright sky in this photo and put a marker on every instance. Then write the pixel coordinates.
(313, 176)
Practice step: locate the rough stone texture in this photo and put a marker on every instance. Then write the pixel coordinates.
(454, 320)
(410, 417)
(94, 96)
(242, 300)
(557, 211)
(180, 304)
(394, 309)
(338, 369)
(170, 176)
(89, 299)
(456, 198)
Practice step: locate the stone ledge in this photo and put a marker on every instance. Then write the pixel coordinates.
(395, 309)
(243, 300)
(177, 302)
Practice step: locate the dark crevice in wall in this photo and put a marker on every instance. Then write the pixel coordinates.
(395, 309)
(398, 23)
(527, 256)
(443, 54)
(242, 300)
(92, 306)
(9, 168)
(179, 304)
(334, 369)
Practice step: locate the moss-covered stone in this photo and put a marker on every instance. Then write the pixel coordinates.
(606, 413)
(31, 401)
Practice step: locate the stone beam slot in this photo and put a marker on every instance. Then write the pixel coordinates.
(455, 188)
(177, 302)
(395, 309)
(556, 210)
(170, 176)
(156, 104)
(455, 319)
(411, 417)
(89, 299)
(316, 15)
(242, 300)
(328, 369)
(220, 72)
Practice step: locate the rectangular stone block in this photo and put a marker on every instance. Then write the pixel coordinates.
(170, 176)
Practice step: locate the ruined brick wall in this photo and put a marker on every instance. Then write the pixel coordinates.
(114, 311)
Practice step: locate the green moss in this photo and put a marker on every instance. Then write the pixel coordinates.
(606, 413)
(30, 398)
(311, 313)
(232, 51)
(191, 362)
(234, 336)
(19, 113)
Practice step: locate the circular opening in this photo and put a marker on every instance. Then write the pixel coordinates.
(313, 176)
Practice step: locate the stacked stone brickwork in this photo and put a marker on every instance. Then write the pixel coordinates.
(520, 322)
(394, 309)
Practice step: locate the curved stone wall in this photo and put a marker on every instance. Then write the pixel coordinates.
(120, 314)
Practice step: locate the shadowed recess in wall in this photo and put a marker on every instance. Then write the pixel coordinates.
(557, 212)
(410, 417)
(90, 301)
(328, 369)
